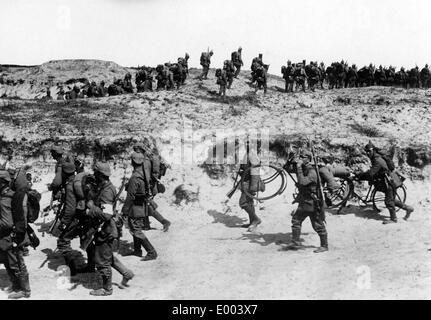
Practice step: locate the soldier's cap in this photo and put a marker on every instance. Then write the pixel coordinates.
(369, 146)
(305, 154)
(4, 175)
(103, 168)
(138, 158)
(68, 167)
(57, 149)
(139, 146)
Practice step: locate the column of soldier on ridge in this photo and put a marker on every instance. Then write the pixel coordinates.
(296, 75)
(311, 175)
(87, 210)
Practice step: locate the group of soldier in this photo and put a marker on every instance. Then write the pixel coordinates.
(86, 209)
(342, 75)
(312, 176)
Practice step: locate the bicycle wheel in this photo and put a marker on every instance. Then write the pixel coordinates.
(341, 195)
(378, 198)
(274, 179)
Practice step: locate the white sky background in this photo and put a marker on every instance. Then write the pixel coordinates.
(148, 32)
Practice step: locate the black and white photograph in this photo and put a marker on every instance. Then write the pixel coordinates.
(214, 150)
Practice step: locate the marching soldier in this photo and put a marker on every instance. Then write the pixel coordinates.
(377, 176)
(230, 71)
(13, 239)
(205, 63)
(252, 184)
(222, 81)
(307, 203)
(136, 206)
(67, 217)
(102, 211)
(155, 175)
(237, 61)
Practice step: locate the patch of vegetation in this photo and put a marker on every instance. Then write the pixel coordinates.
(367, 130)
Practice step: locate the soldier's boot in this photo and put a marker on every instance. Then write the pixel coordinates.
(137, 251)
(151, 252)
(296, 241)
(253, 218)
(323, 244)
(15, 286)
(409, 210)
(90, 267)
(166, 223)
(147, 225)
(71, 265)
(393, 217)
(126, 273)
(106, 289)
(24, 287)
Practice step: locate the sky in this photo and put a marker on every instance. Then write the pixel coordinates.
(149, 32)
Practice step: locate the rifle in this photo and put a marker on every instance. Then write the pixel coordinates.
(58, 215)
(320, 194)
(235, 185)
(91, 232)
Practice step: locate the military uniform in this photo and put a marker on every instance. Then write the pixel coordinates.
(237, 61)
(377, 176)
(308, 206)
(222, 81)
(261, 78)
(205, 63)
(300, 77)
(230, 71)
(68, 223)
(136, 205)
(287, 72)
(102, 212)
(154, 169)
(250, 183)
(13, 239)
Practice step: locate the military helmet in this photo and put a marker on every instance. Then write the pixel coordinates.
(211, 52)
(103, 168)
(4, 175)
(369, 146)
(57, 149)
(305, 154)
(68, 167)
(426, 66)
(137, 157)
(239, 49)
(139, 147)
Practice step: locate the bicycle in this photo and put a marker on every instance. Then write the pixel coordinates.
(375, 196)
(270, 173)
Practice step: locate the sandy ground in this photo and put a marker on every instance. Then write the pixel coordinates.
(205, 255)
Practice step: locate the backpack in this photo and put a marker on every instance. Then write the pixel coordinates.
(6, 218)
(389, 162)
(33, 205)
(235, 56)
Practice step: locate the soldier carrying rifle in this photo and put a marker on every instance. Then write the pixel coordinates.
(310, 202)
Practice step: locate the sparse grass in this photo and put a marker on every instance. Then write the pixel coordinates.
(367, 130)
